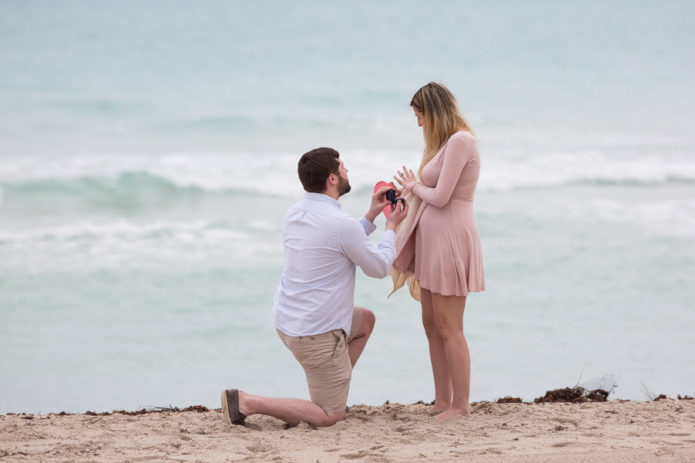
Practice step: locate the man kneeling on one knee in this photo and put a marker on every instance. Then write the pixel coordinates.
(314, 308)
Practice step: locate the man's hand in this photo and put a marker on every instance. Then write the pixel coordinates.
(399, 213)
(379, 202)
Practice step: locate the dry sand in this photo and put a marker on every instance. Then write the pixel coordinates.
(615, 431)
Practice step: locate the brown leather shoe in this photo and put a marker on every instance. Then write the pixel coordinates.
(230, 407)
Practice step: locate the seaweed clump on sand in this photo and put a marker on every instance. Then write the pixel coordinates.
(573, 395)
(509, 400)
(144, 411)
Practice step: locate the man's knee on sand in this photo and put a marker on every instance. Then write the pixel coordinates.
(331, 419)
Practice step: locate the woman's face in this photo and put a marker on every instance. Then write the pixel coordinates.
(418, 114)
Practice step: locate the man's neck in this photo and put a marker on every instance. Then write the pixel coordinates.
(332, 193)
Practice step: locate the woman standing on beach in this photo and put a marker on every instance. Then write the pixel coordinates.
(442, 246)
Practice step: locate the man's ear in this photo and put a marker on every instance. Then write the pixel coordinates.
(330, 180)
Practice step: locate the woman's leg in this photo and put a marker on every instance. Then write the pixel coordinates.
(448, 317)
(440, 369)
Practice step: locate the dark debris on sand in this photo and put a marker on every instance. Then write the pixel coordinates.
(144, 411)
(568, 394)
(573, 395)
(420, 402)
(509, 400)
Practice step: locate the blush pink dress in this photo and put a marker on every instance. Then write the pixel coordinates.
(442, 246)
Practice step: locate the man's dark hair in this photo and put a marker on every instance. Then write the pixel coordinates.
(315, 166)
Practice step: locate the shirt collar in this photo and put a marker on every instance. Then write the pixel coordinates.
(323, 198)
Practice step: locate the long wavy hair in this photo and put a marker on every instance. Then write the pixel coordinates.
(441, 118)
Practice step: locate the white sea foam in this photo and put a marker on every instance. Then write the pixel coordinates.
(275, 173)
(122, 228)
(670, 217)
(88, 244)
(521, 170)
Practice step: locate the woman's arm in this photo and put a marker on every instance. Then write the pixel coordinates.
(459, 150)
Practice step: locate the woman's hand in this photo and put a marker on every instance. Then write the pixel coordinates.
(405, 178)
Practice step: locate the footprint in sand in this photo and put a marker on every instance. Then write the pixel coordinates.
(259, 447)
(354, 456)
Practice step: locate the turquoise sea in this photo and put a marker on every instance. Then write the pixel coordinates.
(148, 153)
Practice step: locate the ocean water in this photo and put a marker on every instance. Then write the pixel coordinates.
(148, 153)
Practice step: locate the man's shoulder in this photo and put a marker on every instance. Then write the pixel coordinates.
(299, 205)
(320, 212)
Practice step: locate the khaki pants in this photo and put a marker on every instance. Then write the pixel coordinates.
(326, 363)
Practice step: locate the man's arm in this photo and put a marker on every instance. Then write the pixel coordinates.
(367, 225)
(375, 261)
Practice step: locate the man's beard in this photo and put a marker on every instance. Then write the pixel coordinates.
(343, 186)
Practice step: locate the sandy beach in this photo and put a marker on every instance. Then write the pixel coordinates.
(617, 431)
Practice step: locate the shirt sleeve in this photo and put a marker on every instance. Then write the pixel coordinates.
(458, 152)
(368, 226)
(375, 261)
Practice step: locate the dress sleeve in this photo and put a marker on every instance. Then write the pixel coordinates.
(457, 153)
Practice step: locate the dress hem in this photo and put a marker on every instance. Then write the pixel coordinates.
(452, 294)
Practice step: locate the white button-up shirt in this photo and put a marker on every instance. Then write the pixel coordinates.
(323, 245)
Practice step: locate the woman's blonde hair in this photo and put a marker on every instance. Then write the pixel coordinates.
(442, 118)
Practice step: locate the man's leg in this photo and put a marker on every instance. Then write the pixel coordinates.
(291, 411)
(362, 326)
(326, 363)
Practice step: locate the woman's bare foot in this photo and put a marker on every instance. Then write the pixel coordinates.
(452, 412)
(437, 408)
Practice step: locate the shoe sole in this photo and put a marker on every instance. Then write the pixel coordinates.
(225, 408)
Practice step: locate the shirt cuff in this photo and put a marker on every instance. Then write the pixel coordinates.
(368, 226)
